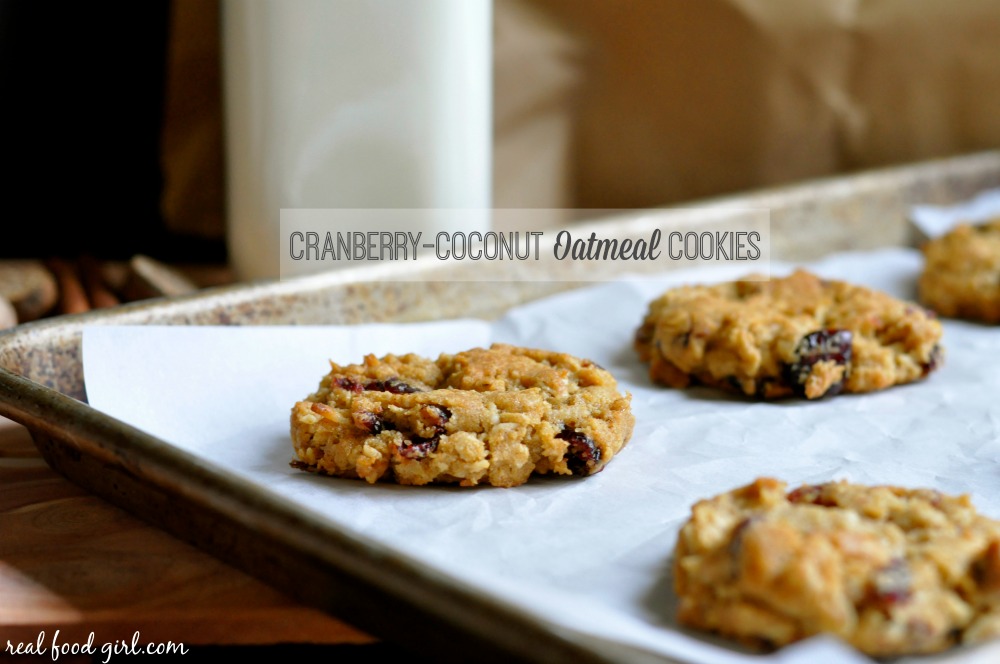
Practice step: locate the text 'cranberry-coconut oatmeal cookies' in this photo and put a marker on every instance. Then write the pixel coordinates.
(483, 416)
(891, 571)
(795, 336)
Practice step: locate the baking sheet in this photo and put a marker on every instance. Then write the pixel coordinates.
(590, 555)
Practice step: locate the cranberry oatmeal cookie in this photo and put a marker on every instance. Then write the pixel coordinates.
(795, 336)
(961, 277)
(891, 571)
(491, 416)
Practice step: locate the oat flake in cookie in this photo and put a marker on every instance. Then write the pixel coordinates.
(961, 277)
(483, 416)
(795, 336)
(891, 571)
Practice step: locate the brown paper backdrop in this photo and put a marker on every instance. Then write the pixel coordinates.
(684, 99)
(634, 103)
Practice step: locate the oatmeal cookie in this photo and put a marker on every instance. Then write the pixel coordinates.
(491, 416)
(889, 570)
(795, 336)
(961, 277)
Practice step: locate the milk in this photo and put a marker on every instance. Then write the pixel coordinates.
(353, 104)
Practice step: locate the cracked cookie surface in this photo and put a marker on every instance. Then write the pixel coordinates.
(483, 416)
(891, 571)
(795, 336)
(961, 277)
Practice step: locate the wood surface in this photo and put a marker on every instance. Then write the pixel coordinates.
(72, 562)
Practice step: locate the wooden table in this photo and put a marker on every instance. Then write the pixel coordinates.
(72, 562)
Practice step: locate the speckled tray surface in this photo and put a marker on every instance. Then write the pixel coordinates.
(41, 386)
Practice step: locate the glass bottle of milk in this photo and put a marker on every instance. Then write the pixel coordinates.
(353, 104)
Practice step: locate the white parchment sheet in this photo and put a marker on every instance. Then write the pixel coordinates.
(590, 555)
(934, 221)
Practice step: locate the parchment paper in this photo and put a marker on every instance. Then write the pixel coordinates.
(935, 221)
(589, 555)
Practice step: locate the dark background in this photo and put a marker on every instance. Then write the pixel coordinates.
(83, 93)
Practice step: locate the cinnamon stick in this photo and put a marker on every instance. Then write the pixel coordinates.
(100, 295)
(72, 297)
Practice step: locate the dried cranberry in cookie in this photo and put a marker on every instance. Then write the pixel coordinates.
(822, 362)
(418, 448)
(583, 456)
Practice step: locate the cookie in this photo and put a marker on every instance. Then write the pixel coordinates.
(891, 571)
(795, 336)
(961, 277)
(483, 416)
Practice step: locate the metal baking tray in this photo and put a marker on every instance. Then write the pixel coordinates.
(358, 580)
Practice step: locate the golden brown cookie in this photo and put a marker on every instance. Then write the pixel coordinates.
(961, 277)
(491, 416)
(800, 335)
(891, 571)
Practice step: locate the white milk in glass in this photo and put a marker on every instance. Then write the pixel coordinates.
(354, 104)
